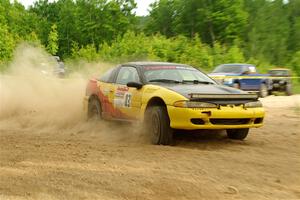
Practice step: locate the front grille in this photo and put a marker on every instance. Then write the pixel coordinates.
(230, 121)
(258, 120)
(197, 121)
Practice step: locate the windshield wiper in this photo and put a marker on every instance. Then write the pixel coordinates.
(165, 81)
(197, 82)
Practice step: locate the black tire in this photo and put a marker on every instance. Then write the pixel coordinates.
(94, 110)
(237, 134)
(288, 90)
(263, 90)
(271, 92)
(157, 122)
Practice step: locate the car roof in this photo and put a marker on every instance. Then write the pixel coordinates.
(147, 63)
(242, 64)
(273, 69)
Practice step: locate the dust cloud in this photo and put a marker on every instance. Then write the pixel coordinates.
(33, 99)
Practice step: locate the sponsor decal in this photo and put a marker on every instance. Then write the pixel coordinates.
(118, 102)
(108, 107)
(122, 88)
(122, 97)
(120, 92)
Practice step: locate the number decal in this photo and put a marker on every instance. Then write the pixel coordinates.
(127, 100)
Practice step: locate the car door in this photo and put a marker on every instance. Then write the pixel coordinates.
(127, 100)
(249, 83)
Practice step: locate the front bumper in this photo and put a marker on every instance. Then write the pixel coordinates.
(225, 117)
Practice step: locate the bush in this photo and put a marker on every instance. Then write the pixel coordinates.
(88, 53)
(295, 63)
(180, 49)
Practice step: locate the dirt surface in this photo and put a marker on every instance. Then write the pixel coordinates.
(112, 161)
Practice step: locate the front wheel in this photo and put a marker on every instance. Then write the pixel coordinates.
(288, 90)
(157, 122)
(263, 91)
(237, 134)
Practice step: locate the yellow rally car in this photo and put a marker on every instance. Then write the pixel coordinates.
(168, 96)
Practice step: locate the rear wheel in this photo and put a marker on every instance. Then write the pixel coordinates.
(158, 125)
(263, 91)
(94, 109)
(237, 134)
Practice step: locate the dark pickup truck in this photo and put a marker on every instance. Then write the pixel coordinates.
(244, 77)
(281, 80)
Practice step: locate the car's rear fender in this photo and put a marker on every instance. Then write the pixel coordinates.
(91, 88)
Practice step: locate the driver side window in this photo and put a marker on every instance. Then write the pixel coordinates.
(127, 74)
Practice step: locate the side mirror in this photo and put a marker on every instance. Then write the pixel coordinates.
(135, 85)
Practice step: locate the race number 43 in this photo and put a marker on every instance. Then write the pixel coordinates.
(127, 100)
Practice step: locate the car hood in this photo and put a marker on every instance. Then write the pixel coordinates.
(213, 93)
(187, 89)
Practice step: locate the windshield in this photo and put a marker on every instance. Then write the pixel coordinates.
(228, 69)
(279, 72)
(175, 74)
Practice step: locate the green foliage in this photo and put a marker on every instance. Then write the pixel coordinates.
(161, 18)
(195, 53)
(179, 49)
(218, 52)
(86, 22)
(295, 63)
(202, 33)
(52, 46)
(6, 43)
(32, 39)
(222, 20)
(269, 32)
(296, 89)
(226, 20)
(129, 47)
(16, 25)
(234, 55)
(294, 19)
(88, 52)
(6, 46)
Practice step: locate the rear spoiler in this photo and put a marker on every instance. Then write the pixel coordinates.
(223, 96)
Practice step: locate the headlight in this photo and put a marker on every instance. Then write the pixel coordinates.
(255, 104)
(194, 104)
(228, 80)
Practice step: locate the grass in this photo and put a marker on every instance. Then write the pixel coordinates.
(296, 87)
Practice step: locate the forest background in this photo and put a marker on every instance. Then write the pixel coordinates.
(202, 33)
